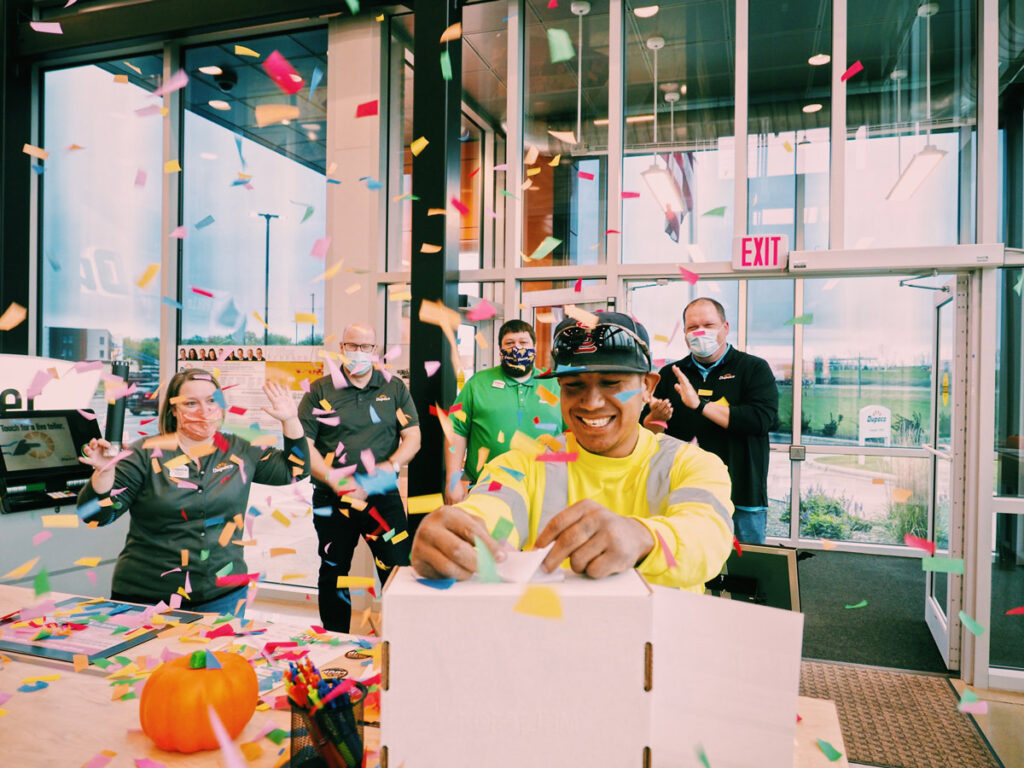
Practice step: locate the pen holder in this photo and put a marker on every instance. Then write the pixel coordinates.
(330, 738)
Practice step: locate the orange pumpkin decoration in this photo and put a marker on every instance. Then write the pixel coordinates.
(173, 707)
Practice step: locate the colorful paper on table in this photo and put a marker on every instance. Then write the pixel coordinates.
(547, 246)
(918, 543)
(229, 752)
(853, 70)
(560, 45)
(13, 316)
(800, 320)
(540, 601)
(418, 145)
(829, 751)
(688, 276)
(972, 626)
(367, 109)
(942, 564)
(100, 760)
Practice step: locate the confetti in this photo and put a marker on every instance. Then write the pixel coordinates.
(21, 570)
(918, 543)
(355, 582)
(47, 27)
(560, 45)
(65, 520)
(540, 601)
(559, 457)
(800, 320)
(487, 570)
(13, 316)
(829, 751)
(853, 70)
(175, 82)
(446, 65)
(418, 145)
(430, 248)
(942, 564)
(482, 311)
(861, 604)
(901, 495)
(1019, 611)
(972, 626)
(268, 114)
(630, 195)
(437, 583)
(720, 211)
(688, 276)
(422, 505)
(172, 166)
(282, 73)
(367, 109)
(547, 246)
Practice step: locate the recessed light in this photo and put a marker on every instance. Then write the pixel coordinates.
(645, 11)
(311, 126)
(220, 104)
(682, 89)
(312, 135)
(819, 59)
(211, 70)
(811, 108)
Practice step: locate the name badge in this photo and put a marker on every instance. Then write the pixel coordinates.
(704, 392)
(498, 384)
(180, 473)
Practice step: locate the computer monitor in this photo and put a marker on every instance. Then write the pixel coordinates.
(43, 447)
(763, 575)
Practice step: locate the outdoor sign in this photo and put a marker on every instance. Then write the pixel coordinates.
(760, 252)
(875, 422)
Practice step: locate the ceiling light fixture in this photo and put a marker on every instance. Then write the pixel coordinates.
(819, 59)
(660, 180)
(579, 8)
(810, 109)
(645, 11)
(927, 160)
(682, 89)
(220, 104)
(211, 70)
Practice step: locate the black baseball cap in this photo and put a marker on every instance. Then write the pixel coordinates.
(616, 344)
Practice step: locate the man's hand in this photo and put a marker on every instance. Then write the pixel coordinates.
(453, 494)
(685, 389)
(597, 541)
(661, 410)
(443, 547)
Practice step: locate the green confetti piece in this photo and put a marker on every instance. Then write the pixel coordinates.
(388, 536)
(446, 65)
(1019, 285)
(223, 617)
(829, 751)
(973, 627)
(203, 554)
(942, 564)
(485, 567)
(560, 45)
(861, 604)
(969, 697)
(43, 634)
(42, 582)
(277, 736)
(128, 696)
(506, 193)
(719, 211)
(353, 6)
(547, 246)
(502, 529)
(102, 663)
(226, 569)
(124, 661)
(102, 618)
(702, 756)
(119, 630)
(800, 320)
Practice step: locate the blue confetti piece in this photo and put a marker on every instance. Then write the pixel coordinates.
(514, 472)
(372, 183)
(240, 182)
(437, 583)
(210, 522)
(91, 507)
(170, 302)
(373, 416)
(204, 222)
(238, 145)
(343, 596)
(333, 181)
(569, 368)
(211, 661)
(36, 686)
(299, 453)
(323, 511)
(218, 396)
(38, 170)
(454, 480)
(547, 427)
(622, 397)
(314, 81)
(381, 481)
(254, 512)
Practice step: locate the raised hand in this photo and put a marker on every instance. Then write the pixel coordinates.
(282, 405)
(685, 389)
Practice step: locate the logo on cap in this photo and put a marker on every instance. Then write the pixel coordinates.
(587, 344)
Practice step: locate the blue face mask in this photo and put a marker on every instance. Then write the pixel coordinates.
(703, 346)
(518, 361)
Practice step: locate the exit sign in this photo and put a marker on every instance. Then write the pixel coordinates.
(755, 252)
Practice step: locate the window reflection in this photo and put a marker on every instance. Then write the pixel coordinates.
(769, 306)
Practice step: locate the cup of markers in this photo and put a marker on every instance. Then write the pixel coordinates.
(325, 728)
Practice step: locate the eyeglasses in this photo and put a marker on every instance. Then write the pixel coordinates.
(350, 347)
(571, 340)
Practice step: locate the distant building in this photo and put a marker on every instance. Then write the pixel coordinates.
(80, 344)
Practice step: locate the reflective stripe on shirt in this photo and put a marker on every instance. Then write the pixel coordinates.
(702, 496)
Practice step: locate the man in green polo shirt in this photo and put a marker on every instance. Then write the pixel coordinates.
(496, 403)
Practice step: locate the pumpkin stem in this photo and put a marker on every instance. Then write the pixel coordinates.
(197, 660)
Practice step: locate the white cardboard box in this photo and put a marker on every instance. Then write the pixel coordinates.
(632, 675)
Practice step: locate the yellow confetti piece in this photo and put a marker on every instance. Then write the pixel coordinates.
(329, 274)
(305, 317)
(226, 533)
(40, 679)
(406, 296)
(154, 463)
(901, 495)
(526, 184)
(184, 558)
(540, 601)
(402, 418)
(88, 562)
(353, 288)
(555, 160)
(353, 502)
(481, 457)
(828, 544)
(460, 415)
(81, 661)
(436, 212)
(787, 146)
(326, 405)
(661, 337)
(241, 50)
(355, 582)
(501, 437)
(399, 537)
(589, 319)
(418, 145)
(121, 79)
(69, 520)
(430, 248)
(550, 442)
(276, 551)
(293, 576)
(148, 275)
(545, 394)
(251, 750)
(531, 155)
(172, 166)
(279, 516)
(178, 461)
(13, 316)
(37, 152)
(533, 171)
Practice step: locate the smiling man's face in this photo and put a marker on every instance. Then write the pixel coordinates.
(602, 423)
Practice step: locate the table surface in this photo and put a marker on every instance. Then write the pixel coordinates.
(82, 720)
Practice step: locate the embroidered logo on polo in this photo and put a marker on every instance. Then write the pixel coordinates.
(725, 376)
(224, 465)
(382, 398)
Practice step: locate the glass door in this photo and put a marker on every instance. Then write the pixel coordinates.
(943, 589)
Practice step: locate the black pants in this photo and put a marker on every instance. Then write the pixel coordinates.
(339, 536)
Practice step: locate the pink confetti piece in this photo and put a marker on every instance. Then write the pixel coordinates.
(853, 70)
(83, 366)
(367, 109)
(179, 233)
(661, 424)
(40, 537)
(187, 485)
(4, 697)
(320, 248)
(304, 385)
(918, 543)
(337, 377)
(630, 195)
(173, 570)
(152, 109)
(330, 421)
(369, 462)
(113, 461)
(228, 750)
(502, 167)
(176, 82)
(37, 610)
(282, 73)
(231, 580)
(395, 351)
(86, 415)
(611, 232)
(92, 576)
(457, 205)
(578, 287)
(47, 27)
(666, 551)
(688, 276)
(481, 311)
(174, 601)
(585, 175)
(202, 292)
(974, 708)
(99, 761)
(39, 382)
(237, 409)
(140, 178)
(558, 457)
(432, 367)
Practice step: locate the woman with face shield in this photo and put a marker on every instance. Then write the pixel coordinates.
(187, 492)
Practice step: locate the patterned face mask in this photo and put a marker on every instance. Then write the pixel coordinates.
(518, 361)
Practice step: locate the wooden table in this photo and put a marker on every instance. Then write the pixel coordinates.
(75, 718)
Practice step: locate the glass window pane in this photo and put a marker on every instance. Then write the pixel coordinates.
(867, 372)
(910, 124)
(678, 169)
(565, 133)
(769, 306)
(659, 304)
(876, 499)
(1007, 638)
(1009, 477)
(254, 198)
(789, 117)
(101, 197)
(780, 483)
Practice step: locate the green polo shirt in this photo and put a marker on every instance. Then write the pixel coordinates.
(497, 405)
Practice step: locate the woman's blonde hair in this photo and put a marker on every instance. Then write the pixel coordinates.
(168, 421)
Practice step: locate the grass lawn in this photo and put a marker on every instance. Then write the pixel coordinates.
(877, 464)
(821, 404)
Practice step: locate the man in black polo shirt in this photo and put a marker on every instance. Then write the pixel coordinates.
(728, 400)
(361, 434)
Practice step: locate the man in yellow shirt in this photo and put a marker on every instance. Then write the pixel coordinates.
(614, 496)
